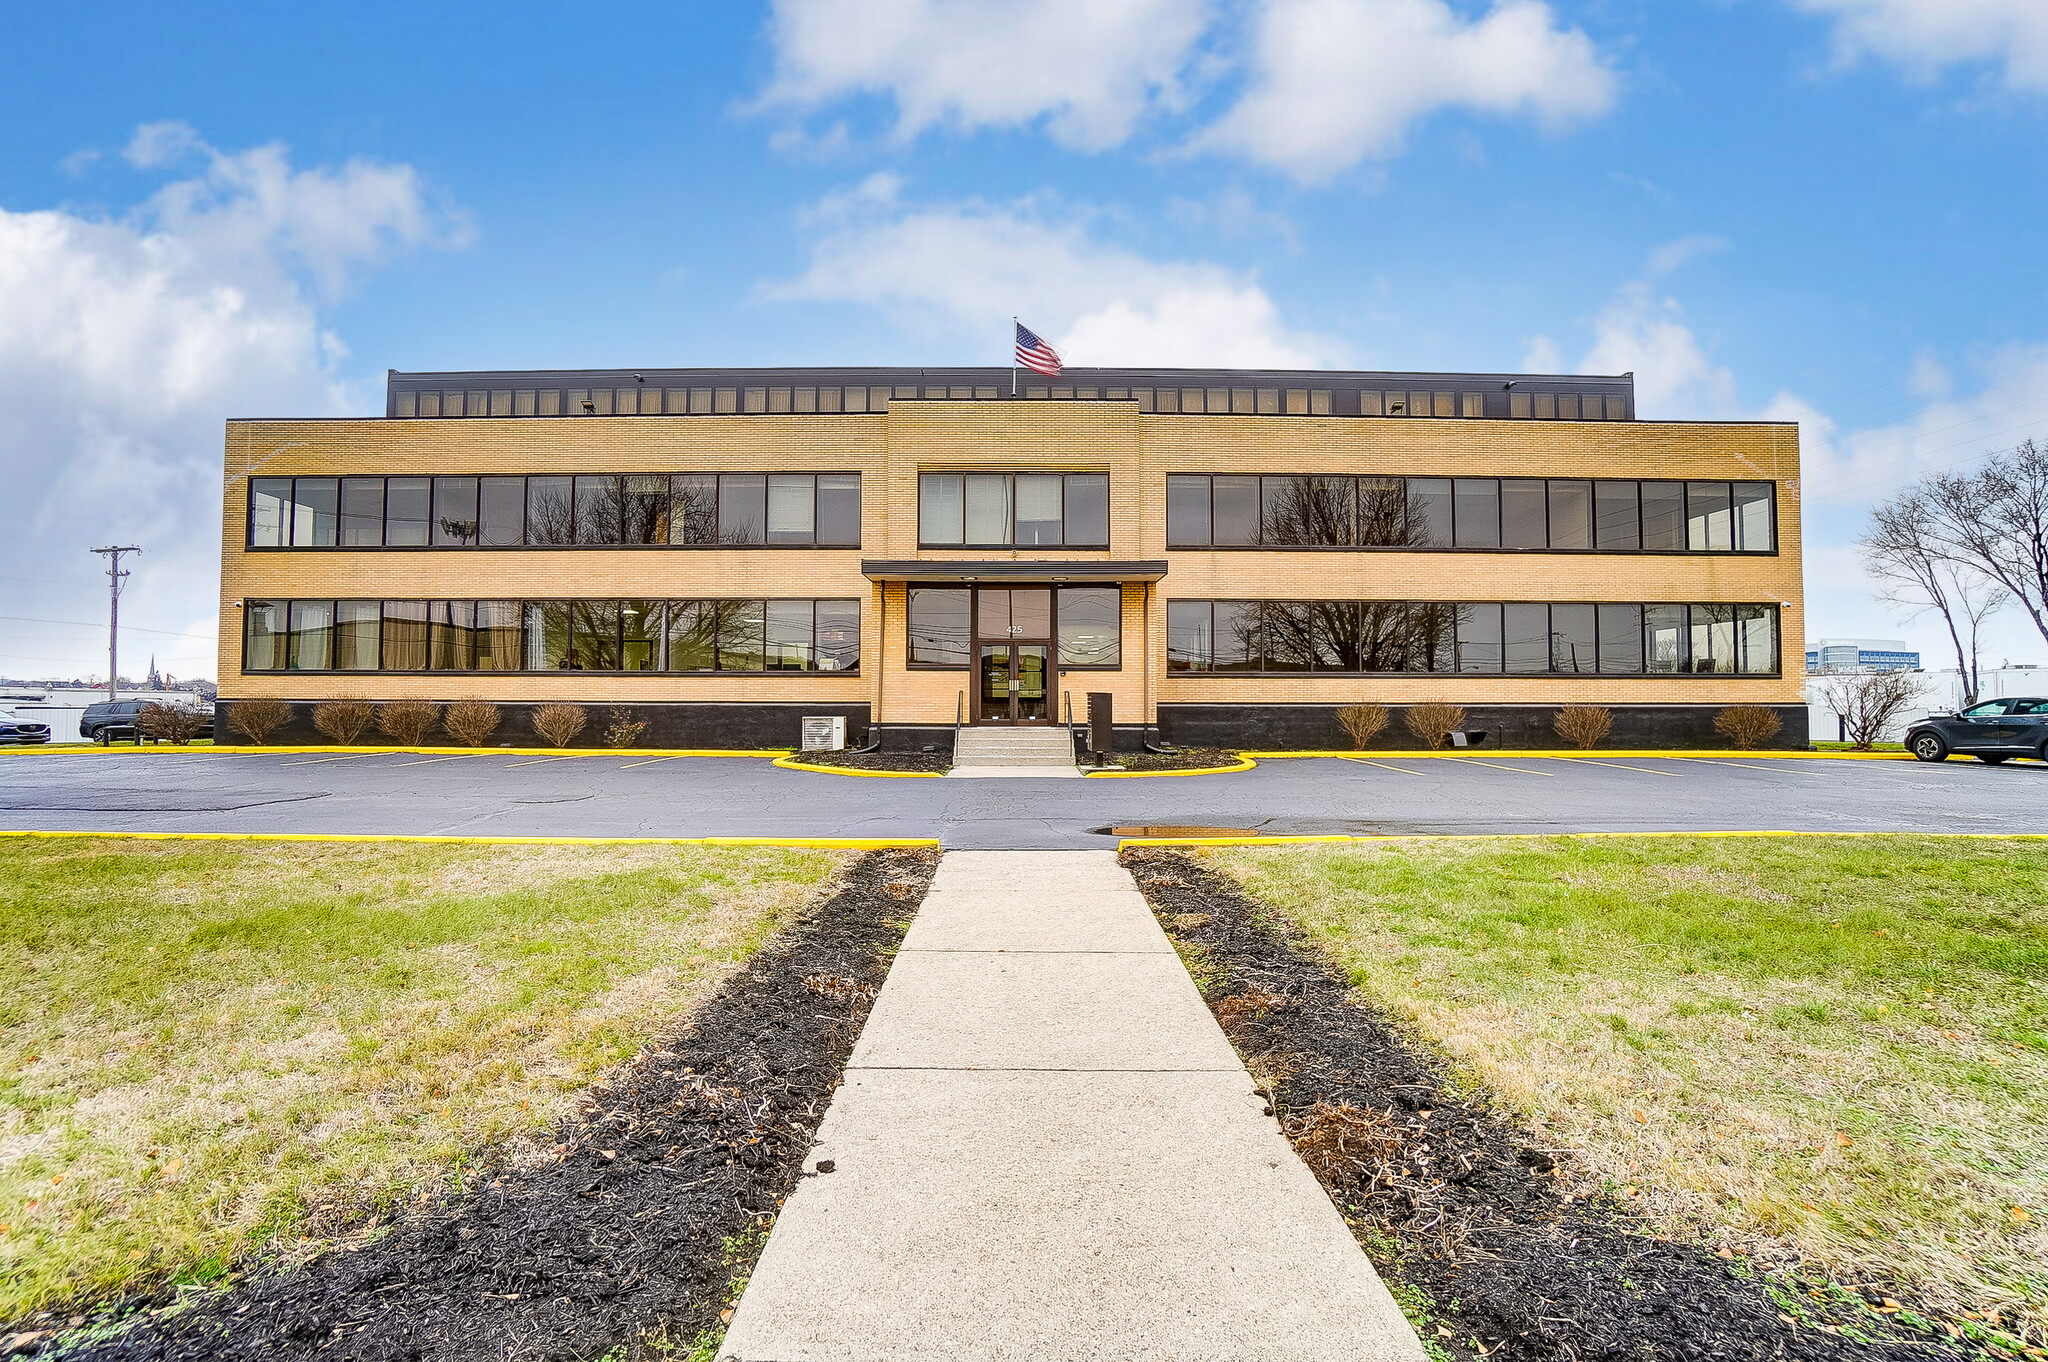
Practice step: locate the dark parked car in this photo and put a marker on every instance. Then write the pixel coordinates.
(1994, 731)
(15, 730)
(112, 721)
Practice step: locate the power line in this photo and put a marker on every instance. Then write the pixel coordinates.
(92, 624)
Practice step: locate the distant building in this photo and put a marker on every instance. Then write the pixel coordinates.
(1861, 655)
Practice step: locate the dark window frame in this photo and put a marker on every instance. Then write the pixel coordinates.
(975, 640)
(1012, 474)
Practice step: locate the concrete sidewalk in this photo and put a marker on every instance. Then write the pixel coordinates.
(1045, 1148)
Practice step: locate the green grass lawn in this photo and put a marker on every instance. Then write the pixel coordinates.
(1837, 1042)
(213, 1049)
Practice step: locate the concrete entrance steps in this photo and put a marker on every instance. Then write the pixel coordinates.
(1046, 1148)
(1002, 751)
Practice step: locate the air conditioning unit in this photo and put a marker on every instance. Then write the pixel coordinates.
(824, 734)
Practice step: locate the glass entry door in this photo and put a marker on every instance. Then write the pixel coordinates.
(1015, 687)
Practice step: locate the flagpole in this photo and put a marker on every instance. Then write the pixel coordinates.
(1013, 354)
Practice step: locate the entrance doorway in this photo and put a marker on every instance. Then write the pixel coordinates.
(1013, 630)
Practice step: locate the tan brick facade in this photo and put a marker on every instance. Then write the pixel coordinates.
(1136, 450)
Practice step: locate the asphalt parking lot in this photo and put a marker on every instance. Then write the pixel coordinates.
(624, 794)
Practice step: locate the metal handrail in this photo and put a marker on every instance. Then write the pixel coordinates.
(959, 720)
(1072, 732)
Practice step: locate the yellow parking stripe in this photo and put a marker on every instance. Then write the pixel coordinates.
(537, 761)
(848, 843)
(1594, 761)
(431, 760)
(631, 764)
(1368, 761)
(1525, 770)
(1751, 766)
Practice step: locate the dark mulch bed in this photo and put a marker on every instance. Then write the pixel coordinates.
(1453, 1201)
(636, 1232)
(936, 762)
(1187, 759)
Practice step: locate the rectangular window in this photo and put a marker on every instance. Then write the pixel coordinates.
(598, 511)
(838, 636)
(742, 636)
(640, 636)
(1234, 509)
(451, 636)
(1664, 635)
(548, 646)
(1187, 510)
(1713, 638)
(1621, 638)
(549, 402)
(1523, 514)
(693, 636)
(1546, 406)
(1167, 400)
(1384, 519)
(405, 636)
(1756, 629)
(1753, 517)
(312, 640)
(693, 508)
(408, 512)
(1567, 406)
(1091, 626)
(940, 509)
(1429, 511)
(1284, 629)
(1615, 523)
(1433, 633)
(1478, 513)
(593, 637)
(550, 510)
(1188, 638)
(522, 402)
(742, 509)
(1319, 402)
(1236, 642)
(644, 504)
(501, 512)
(263, 636)
(1087, 507)
(1664, 515)
(355, 635)
(315, 507)
(1041, 509)
(839, 509)
(939, 625)
(1518, 406)
(1473, 404)
(789, 636)
(1308, 511)
(455, 521)
(1573, 638)
(497, 636)
(1334, 631)
(792, 508)
(1709, 524)
(1571, 514)
(362, 512)
(1479, 638)
(1525, 637)
(988, 508)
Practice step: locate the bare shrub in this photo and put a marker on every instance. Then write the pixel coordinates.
(1869, 703)
(1433, 721)
(560, 723)
(1345, 1146)
(1583, 725)
(256, 720)
(471, 721)
(1363, 722)
(175, 724)
(1748, 726)
(407, 722)
(344, 718)
(624, 730)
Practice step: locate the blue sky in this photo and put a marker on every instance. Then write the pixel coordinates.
(1822, 210)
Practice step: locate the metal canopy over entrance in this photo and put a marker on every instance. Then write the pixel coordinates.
(967, 570)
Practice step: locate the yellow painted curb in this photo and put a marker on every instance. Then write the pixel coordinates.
(850, 843)
(792, 764)
(1542, 836)
(1244, 764)
(94, 748)
(1594, 754)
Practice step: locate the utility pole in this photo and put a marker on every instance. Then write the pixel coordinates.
(115, 577)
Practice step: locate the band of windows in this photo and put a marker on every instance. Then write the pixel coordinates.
(642, 399)
(1324, 511)
(730, 509)
(1516, 638)
(750, 636)
(1086, 623)
(1013, 510)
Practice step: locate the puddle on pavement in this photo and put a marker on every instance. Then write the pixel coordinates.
(1174, 830)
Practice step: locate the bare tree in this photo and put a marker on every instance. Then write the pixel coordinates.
(1995, 521)
(1869, 703)
(1904, 549)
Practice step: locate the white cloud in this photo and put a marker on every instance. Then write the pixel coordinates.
(957, 272)
(1334, 82)
(1673, 256)
(124, 343)
(1542, 357)
(1925, 37)
(1087, 69)
(1645, 333)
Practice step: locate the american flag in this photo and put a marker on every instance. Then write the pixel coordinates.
(1034, 354)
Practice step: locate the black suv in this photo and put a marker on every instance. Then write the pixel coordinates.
(1994, 731)
(109, 719)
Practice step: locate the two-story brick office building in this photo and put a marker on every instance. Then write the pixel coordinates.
(1233, 555)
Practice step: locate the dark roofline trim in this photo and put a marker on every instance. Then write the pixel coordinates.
(1012, 570)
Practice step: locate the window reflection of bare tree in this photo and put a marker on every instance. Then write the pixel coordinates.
(1306, 511)
(1350, 636)
(548, 512)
